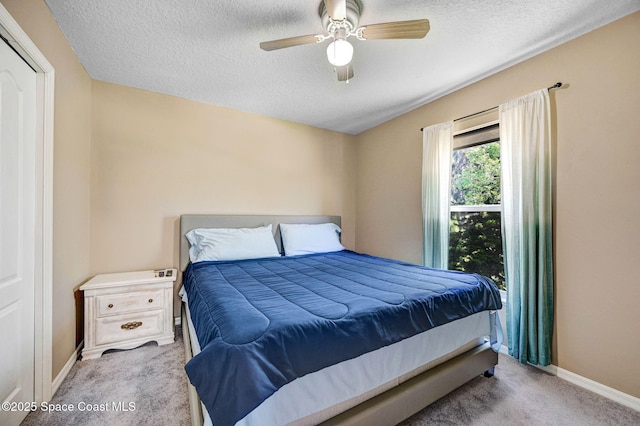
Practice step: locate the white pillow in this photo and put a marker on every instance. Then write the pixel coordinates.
(306, 239)
(231, 243)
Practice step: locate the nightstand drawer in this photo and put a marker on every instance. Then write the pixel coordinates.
(127, 327)
(113, 304)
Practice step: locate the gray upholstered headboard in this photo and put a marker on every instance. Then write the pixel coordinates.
(193, 221)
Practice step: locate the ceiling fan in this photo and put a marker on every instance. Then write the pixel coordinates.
(340, 18)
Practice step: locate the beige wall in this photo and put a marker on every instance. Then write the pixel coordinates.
(71, 180)
(596, 191)
(155, 157)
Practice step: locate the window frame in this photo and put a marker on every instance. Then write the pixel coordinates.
(470, 208)
(480, 134)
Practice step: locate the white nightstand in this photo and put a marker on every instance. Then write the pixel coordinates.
(126, 310)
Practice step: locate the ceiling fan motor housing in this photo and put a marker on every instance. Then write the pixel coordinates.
(354, 9)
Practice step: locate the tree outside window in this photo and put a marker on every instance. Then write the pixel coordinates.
(475, 240)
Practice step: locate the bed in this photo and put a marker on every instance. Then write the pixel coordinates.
(379, 373)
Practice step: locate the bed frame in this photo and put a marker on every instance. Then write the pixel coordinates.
(390, 407)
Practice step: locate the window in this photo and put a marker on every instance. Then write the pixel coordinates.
(475, 240)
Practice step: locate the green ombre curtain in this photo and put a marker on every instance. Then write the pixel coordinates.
(437, 144)
(525, 140)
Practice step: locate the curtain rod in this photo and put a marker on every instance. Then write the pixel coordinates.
(555, 86)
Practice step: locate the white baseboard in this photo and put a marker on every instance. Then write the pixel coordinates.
(588, 384)
(66, 369)
(606, 391)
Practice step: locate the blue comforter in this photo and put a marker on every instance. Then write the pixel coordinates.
(263, 323)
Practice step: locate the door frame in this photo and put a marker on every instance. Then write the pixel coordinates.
(43, 273)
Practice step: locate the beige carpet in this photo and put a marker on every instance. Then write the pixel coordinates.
(149, 382)
(523, 395)
(143, 386)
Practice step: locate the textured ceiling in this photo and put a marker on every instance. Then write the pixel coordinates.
(208, 51)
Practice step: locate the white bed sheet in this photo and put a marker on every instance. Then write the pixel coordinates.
(323, 394)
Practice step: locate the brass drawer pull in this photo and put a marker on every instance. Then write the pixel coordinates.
(150, 300)
(110, 305)
(131, 325)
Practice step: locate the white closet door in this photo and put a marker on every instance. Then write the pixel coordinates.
(17, 235)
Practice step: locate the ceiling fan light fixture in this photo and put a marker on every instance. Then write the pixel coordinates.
(339, 52)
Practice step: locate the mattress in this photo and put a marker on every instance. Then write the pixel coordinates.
(319, 396)
(328, 295)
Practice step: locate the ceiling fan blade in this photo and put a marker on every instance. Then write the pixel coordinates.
(396, 30)
(336, 9)
(289, 42)
(345, 73)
